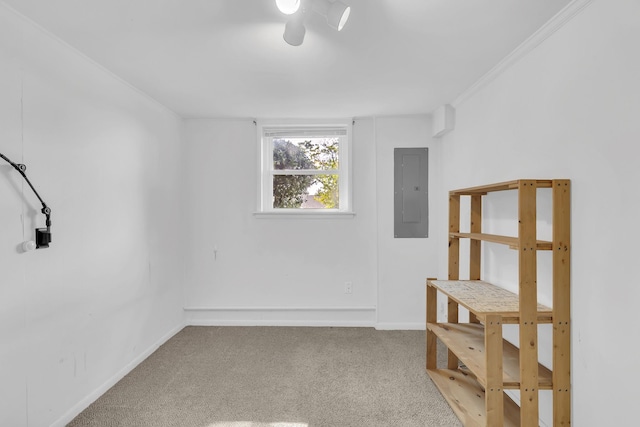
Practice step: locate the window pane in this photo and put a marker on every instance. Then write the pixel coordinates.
(306, 153)
(306, 192)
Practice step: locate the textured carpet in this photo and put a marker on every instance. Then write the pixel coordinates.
(277, 377)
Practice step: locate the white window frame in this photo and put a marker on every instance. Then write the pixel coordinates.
(266, 171)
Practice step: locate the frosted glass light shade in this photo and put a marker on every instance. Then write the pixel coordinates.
(294, 32)
(338, 15)
(288, 7)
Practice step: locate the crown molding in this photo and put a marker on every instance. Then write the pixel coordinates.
(547, 30)
(83, 57)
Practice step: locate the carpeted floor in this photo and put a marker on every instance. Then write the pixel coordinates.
(277, 377)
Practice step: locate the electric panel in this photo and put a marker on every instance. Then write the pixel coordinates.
(411, 207)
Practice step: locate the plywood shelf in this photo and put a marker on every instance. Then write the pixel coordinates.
(467, 398)
(500, 186)
(483, 298)
(466, 340)
(512, 242)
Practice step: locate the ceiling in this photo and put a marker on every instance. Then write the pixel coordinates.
(227, 58)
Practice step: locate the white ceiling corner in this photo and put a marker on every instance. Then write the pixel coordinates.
(227, 58)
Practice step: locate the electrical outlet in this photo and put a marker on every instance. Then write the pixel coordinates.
(348, 288)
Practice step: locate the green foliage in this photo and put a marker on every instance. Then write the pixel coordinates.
(324, 156)
(328, 195)
(289, 190)
(287, 155)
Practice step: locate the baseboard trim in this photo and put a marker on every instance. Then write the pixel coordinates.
(280, 308)
(283, 323)
(281, 316)
(93, 396)
(388, 326)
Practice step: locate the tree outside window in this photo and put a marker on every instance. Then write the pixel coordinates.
(305, 168)
(305, 173)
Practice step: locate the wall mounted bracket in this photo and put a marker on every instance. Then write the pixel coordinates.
(43, 235)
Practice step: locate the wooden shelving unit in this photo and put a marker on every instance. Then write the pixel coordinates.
(481, 365)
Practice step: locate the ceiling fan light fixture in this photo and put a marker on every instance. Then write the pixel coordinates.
(335, 11)
(294, 32)
(338, 15)
(288, 7)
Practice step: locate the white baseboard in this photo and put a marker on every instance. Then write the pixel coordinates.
(281, 316)
(89, 399)
(388, 326)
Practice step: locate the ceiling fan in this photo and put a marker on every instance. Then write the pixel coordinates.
(336, 12)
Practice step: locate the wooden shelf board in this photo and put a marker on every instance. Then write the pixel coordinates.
(482, 298)
(500, 186)
(466, 340)
(512, 242)
(466, 398)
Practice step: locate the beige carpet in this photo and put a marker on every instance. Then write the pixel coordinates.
(277, 377)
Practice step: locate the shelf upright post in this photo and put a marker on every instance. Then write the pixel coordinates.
(528, 297)
(454, 263)
(432, 317)
(494, 395)
(561, 302)
(475, 257)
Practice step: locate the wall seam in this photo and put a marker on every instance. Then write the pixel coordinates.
(24, 267)
(377, 213)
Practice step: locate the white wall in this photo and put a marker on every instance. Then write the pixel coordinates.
(75, 317)
(569, 109)
(403, 264)
(292, 271)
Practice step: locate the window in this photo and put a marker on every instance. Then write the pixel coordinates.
(305, 168)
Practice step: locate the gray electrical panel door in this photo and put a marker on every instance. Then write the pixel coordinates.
(411, 207)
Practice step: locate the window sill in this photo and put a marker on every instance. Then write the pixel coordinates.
(305, 215)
